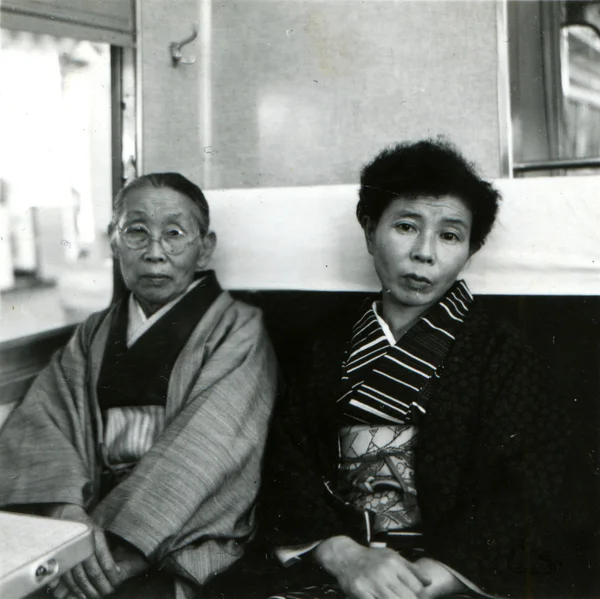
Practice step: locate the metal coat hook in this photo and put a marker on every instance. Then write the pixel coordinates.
(175, 48)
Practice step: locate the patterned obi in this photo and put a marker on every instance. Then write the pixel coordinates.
(376, 475)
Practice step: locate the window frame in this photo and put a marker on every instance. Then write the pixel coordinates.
(544, 167)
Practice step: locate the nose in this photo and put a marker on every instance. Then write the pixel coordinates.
(155, 251)
(423, 249)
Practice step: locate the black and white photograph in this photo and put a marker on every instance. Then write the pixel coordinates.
(299, 299)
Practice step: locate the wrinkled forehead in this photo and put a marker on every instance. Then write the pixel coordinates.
(160, 205)
(441, 207)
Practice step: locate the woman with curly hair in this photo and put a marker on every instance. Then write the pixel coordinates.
(420, 447)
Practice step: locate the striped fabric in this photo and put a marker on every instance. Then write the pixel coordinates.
(188, 505)
(383, 383)
(131, 431)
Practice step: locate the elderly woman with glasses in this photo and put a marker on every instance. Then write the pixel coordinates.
(149, 425)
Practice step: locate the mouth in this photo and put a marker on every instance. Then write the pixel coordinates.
(156, 279)
(416, 282)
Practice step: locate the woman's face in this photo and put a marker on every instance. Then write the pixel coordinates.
(419, 246)
(154, 275)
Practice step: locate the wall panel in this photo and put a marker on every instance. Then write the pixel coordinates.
(170, 96)
(304, 92)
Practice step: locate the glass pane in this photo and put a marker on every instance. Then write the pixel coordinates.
(580, 61)
(56, 182)
(554, 51)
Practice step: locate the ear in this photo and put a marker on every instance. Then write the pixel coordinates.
(472, 252)
(467, 261)
(369, 230)
(112, 239)
(208, 243)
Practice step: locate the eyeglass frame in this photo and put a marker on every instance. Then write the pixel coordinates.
(151, 238)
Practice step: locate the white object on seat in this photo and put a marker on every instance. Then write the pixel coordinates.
(35, 550)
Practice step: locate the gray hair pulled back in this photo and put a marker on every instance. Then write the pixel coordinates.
(174, 181)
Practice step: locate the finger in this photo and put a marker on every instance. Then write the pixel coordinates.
(418, 572)
(85, 582)
(388, 590)
(389, 584)
(98, 577)
(360, 589)
(406, 576)
(73, 587)
(53, 583)
(60, 591)
(105, 560)
(397, 590)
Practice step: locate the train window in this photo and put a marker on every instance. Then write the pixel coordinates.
(554, 65)
(57, 176)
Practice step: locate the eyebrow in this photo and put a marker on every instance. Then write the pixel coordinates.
(406, 212)
(144, 213)
(411, 214)
(456, 221)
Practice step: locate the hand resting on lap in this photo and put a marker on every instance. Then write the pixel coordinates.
(103, 572)
(381, 573)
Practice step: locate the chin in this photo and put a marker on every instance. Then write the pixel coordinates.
(420, 302)
(415, 299)
(156, 298)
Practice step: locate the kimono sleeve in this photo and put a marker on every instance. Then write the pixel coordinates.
(47, 445)
(511, 536)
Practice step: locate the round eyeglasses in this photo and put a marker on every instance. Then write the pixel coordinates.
(173, 240)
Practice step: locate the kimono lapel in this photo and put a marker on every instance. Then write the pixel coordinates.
(97, 349)
(139, 375)
(385, 383)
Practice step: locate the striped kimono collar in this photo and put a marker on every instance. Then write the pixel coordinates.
(384, 383)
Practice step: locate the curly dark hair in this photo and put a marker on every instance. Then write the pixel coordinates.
(432, 168)
(173, 181)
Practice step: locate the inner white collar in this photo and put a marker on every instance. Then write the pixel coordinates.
(384, 325)
(137, 321)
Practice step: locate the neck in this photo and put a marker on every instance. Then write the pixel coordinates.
(151, 308)
(148, 308)
(400, 318)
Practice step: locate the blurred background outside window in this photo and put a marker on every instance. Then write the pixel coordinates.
(55, 171)
(67, 141)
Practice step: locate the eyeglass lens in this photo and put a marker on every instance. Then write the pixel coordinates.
(137, 238)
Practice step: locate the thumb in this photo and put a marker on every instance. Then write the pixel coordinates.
(424, 579)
